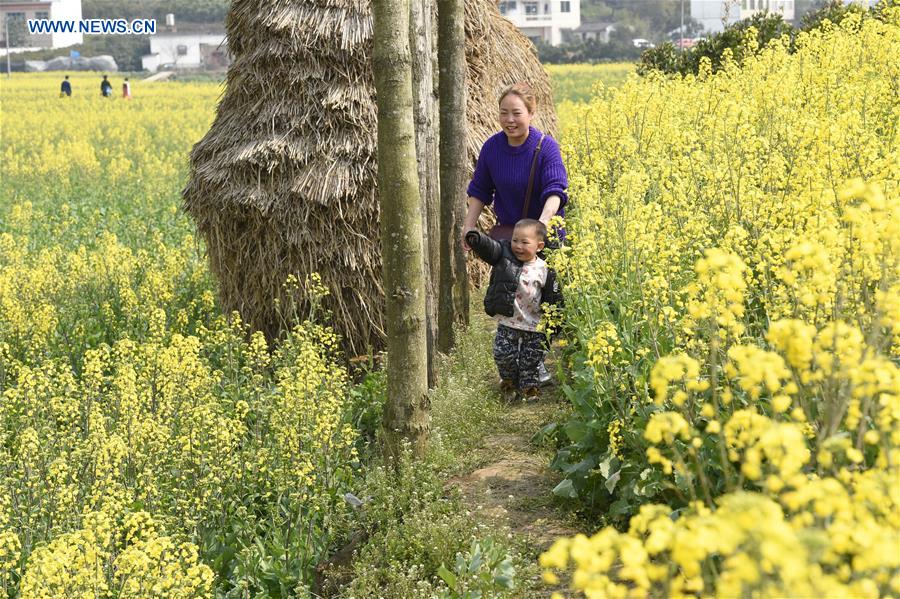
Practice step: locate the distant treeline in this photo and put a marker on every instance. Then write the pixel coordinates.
(619, 48)
(658, 21)
(127, 50)
(668, 59)
(199, 11)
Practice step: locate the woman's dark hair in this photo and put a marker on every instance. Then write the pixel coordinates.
(523, 90)
(537, 226)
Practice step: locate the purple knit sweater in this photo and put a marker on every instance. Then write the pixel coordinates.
(501, 176)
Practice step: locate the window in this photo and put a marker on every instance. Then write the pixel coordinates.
(16, 29)
(565, 6)
(42, 14)
(511, 5)
(531, 8)
(182, 50)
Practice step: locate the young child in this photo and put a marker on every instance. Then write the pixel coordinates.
(520, 282)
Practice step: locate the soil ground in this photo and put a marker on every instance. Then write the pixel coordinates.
(515, 488)
(510, 483)
(492, 465)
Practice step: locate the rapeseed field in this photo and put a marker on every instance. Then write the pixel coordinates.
(732, 281)
(149, 447)
(733, 287)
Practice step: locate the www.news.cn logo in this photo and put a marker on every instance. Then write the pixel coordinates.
(93, 26)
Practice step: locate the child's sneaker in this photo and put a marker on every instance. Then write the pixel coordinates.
(531, 394)
(507, 389)
(544, 377)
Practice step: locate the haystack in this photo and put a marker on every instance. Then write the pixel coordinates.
(284, 181)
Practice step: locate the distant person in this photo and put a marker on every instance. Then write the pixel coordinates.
(105, 87)
(66, 88)
(126, 89)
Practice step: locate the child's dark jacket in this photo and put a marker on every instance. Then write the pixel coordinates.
(501, 293)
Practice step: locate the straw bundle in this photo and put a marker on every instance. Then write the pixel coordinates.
(498, 55)
(284, 181)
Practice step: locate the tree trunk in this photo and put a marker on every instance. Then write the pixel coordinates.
(421, 36)
(406, 414)
(454, 288)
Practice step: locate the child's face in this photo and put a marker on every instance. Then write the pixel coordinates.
(525, 243)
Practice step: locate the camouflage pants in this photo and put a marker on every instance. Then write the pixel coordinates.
(518, 354)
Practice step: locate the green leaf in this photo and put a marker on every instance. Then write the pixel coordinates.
(460, 564)
(610, 483)
(582, 467)
(544, 432)
(604, 467)
(448, 577)
(477, 560)
(620, 508)
(576, 430)
(503, 581)
(565, 489)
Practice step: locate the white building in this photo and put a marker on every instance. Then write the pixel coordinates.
(542, 19)
(594, 31)
(785, 8)
(715, 15)
(188, 47)
(16, 14)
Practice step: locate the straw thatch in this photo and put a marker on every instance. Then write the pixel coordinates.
(284, 181)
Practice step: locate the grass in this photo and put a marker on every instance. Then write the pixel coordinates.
(414, 523)
(466, 405)
(420, 515)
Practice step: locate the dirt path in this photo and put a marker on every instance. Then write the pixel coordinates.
(515, 488)
(487, 451)
(512, 484)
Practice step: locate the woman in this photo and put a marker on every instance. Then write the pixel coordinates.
(505, 165)
(511, 163)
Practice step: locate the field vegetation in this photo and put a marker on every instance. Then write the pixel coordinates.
(574, 82)
(150, 446)
(732, 286)
(731, 356)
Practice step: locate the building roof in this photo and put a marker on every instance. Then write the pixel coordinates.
(595, 26)
(187, 28)
(8, 5)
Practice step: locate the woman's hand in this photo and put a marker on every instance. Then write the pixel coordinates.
(551, 207)
(462, 242)
(473, 211)
(466, 231)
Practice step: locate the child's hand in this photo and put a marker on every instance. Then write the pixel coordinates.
(467, 242)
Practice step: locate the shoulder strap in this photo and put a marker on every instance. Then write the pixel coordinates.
(534, 160)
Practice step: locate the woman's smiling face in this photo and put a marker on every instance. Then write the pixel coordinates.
(515, 119)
